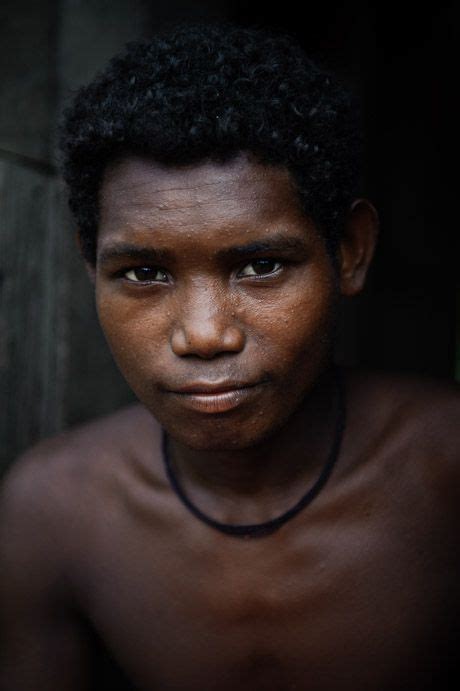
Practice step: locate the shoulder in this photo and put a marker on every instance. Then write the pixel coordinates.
(47, 487)
(417, 417)
(52, 500)
(427, 408)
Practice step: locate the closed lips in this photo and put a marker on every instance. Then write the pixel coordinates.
(212, 389)
(216, 399)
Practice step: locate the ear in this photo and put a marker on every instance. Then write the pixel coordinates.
(90, 268)
(357, 246)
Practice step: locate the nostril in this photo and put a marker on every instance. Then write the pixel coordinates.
(206, 340)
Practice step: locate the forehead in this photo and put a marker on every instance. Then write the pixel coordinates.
(137, 192)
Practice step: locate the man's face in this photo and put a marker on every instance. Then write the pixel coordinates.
(216, 295)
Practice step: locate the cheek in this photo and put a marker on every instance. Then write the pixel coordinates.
(299, 326)
(133, 332)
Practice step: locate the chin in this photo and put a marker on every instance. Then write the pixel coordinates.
(215, 436)
(225, 433)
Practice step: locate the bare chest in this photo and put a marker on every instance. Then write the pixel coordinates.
(336, 600)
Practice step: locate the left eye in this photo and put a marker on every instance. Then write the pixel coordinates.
(260, 267)
(146, 273)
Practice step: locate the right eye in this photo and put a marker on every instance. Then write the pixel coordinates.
(146, 274)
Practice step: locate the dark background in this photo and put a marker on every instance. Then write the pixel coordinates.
(55, 369)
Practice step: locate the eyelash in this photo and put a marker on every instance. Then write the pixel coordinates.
(258, 277)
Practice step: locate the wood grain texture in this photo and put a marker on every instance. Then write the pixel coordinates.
(32, 300)
(28, 79)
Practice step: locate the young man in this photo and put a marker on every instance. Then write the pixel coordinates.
(262, 519)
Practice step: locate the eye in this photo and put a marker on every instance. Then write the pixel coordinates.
(146, 274)
(260, 267)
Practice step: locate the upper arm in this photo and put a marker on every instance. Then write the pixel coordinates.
(42, 643)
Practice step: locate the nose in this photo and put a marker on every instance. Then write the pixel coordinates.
(206, 326)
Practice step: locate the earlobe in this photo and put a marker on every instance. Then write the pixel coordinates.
(357, 246)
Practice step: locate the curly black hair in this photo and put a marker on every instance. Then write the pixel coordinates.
(209, 92)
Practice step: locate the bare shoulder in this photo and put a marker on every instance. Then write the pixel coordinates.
(428, 406)
(420, 415)
(48, 485)
(51, 501)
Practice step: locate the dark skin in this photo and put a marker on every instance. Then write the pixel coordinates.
(211, 276)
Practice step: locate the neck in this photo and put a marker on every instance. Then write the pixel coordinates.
(254, 484)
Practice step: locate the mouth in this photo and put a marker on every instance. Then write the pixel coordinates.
(218, 397)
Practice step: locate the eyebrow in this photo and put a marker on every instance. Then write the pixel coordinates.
(124, 250)
(279, 243)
